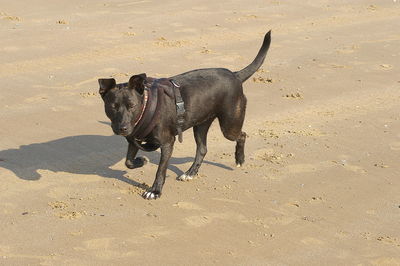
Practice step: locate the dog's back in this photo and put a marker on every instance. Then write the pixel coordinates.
(209, 92)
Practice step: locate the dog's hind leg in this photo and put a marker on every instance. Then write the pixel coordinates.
(239, 150)
(231, 122)
(200, 135)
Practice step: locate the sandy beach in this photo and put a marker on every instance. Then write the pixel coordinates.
(321, 182)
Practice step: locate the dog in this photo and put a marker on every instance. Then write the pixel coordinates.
(207, 94)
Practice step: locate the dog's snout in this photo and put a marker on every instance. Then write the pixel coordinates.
(123, 128)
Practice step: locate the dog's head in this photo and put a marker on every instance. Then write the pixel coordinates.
(123, 102)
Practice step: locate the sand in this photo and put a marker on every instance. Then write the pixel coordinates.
(321, 181)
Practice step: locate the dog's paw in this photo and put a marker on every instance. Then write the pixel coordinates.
(238, 165)
(185, 177)
(151, 195)
(137, 162)
(129, 164)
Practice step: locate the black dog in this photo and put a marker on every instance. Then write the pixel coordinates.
(207, 94)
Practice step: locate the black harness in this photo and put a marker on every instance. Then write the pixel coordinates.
(180, 109)
(153, 91)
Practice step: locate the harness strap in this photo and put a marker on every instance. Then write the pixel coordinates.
(150, 112)
(180, 109)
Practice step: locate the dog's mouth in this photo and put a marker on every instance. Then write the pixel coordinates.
(123, 133)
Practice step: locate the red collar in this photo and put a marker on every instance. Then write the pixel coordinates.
(145, 98)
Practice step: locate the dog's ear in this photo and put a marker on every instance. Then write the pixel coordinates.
(137, 82)
(106, 85)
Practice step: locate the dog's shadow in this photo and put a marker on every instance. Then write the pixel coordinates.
(83, 154)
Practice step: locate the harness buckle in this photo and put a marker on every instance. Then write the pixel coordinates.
(180, 108)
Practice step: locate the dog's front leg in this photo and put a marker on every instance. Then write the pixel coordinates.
(132, 162)
(155, 191)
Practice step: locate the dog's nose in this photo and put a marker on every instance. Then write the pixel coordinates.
(123, 129)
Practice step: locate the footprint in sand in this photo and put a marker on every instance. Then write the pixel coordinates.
(207, 218)
(108, 70)
(301, 168)
(156, 231)
(354, 168)
(280, 220)
(187, 30)
(105, 248)
(5, 249)
(10, 49)
(91, 80)
(163, 42)
(261, 152)
(348, 49)
(351, 167)
(228, 200)
(383, 261)
(187, 206)
(385, 66)
(198, 221)
(312, 241)
(395, 146)
(200, 8)
(9, 17)
(37, 98)
(148, 234)
(270, 156)
(61, 108)
(7, 208)
(284, 215)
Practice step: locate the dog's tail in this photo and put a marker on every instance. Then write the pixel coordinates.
(248, 71)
